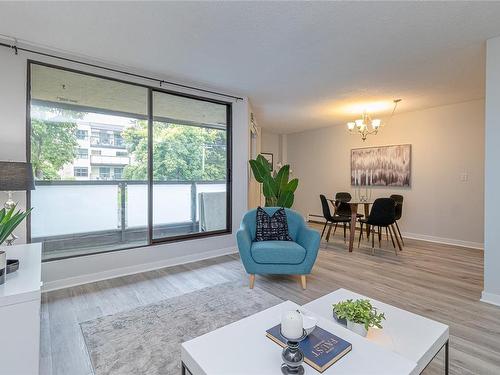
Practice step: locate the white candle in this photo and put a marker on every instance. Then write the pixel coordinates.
(371, 177)
(292, 325)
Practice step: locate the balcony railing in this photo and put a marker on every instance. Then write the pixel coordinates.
(80, 217)
(109, 160)
(107, 142)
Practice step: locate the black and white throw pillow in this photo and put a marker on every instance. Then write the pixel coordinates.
(271, 228)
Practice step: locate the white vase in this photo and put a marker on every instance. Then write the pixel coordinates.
(357, 328)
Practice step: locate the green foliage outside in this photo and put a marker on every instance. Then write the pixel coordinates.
(275, 186)
(179, 152)
(359, 311)
(53, 144)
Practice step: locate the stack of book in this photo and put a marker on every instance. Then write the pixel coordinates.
(321, 348)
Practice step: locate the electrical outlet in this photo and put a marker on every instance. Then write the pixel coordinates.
(464, 177)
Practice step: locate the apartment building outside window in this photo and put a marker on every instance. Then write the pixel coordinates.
(81, 172)
(82, 134)
(82, 153)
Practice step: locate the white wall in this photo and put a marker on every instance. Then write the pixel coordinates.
(275, 144)
(271, 144)
(254, 148)
(491, 291)
(88, 268)
(446, 142)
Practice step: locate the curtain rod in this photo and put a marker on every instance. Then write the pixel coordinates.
(16, 50)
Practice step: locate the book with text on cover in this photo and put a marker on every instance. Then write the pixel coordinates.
(321, 348)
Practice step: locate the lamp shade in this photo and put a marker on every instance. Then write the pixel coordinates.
(16, 175)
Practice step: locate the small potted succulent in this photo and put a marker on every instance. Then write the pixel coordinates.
(359, 314)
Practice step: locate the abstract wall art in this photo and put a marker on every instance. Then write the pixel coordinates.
(381, 166)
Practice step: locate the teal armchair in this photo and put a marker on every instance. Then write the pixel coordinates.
(295, 257)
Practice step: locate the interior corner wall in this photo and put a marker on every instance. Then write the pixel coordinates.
(447, 143)
(491, 291)
(255, 145)
(73, 271)
(271, 143)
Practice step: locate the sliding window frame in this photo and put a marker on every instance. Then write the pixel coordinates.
(151, 241)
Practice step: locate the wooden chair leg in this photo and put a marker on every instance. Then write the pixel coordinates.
(373, 240)
(335, 229)
(323, 232)
(386, 234)
(400, 236)
(328, 233)
(360, 234)
(344, 231)
(252, 280)
(379, 237)
(391, 227)
(393, 244)
(303, 281)
(392, 239)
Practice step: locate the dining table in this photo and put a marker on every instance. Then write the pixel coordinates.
(354, 204)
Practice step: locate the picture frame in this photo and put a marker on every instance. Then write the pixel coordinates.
(269, 157)
(381, 166)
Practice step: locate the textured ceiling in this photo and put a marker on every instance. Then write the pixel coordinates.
(303, 65)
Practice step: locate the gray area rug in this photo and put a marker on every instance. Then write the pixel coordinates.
(146, 340)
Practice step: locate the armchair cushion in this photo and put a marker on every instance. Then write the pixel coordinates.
(271, 227)
(277, 252)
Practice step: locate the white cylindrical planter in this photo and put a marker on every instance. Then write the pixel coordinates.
(358, 328)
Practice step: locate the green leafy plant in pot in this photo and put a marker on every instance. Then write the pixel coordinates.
(360, 315)
(9, 220)
(279, 192)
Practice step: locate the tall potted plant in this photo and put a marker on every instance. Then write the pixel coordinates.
(276, 187)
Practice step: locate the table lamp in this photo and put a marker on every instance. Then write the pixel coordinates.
(15, 176)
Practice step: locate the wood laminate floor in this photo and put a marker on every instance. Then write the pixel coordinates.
(440, 282)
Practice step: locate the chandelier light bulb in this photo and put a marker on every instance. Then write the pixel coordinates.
(366, 126)
(376, 123)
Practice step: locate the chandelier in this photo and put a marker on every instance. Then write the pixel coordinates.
(366, 125)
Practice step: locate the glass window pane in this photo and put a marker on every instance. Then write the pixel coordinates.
(85, 92)
(89, 194)
(173, 108)
(189, 166)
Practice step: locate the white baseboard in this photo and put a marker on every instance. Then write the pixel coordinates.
(443, 240)
(425, 237)
(491, 298)
(89, 278)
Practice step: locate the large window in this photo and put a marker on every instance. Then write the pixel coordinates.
(81, 172)
(189, 165)
(82, 153)
(102, 183)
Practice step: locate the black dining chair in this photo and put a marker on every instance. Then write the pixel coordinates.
(331, 219)
(399, 212)
(382, 215)
(343, 208)
(343, 196)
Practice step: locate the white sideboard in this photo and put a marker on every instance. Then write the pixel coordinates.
(20, 312)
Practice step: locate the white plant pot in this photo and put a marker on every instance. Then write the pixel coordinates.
(358, 328)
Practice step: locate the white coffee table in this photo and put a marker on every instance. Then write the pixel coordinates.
(414, 337)
(243, 348)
